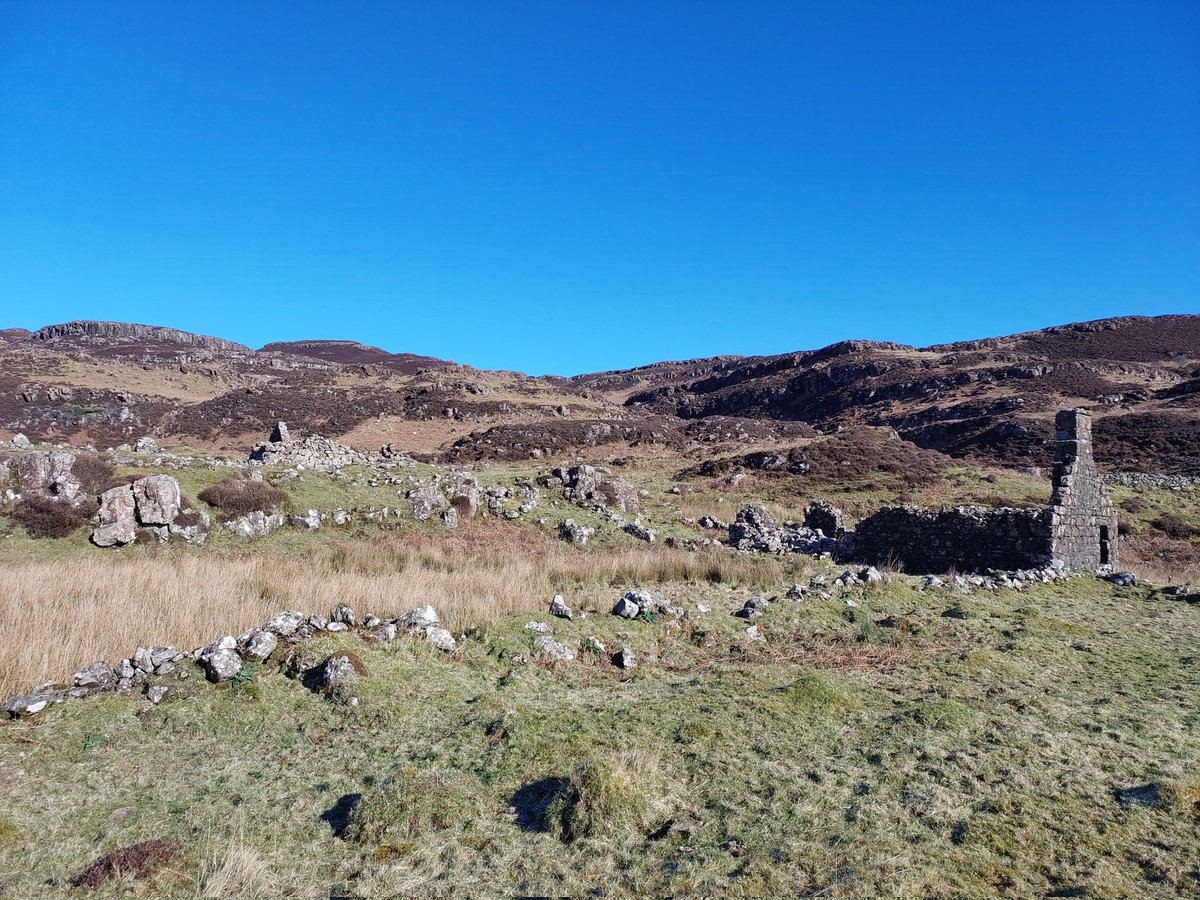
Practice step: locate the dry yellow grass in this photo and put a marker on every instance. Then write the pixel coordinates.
(57, 616)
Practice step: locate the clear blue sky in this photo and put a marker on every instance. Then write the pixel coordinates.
(565, 186)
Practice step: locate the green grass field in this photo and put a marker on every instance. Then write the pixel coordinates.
(1038, 743)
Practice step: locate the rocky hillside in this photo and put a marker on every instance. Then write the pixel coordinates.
(108, 383)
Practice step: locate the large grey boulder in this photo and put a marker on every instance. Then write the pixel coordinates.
(426, 501)
(626, 608)
(158, 499)
(118, 534)
(48, 474)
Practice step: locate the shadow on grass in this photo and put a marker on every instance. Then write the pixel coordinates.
(532, 802)
(338, 815)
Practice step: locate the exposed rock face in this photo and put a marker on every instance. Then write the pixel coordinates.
(48, 474)
(127, 331)
(158, 499)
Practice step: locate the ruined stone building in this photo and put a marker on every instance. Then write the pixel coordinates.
(1079, 528)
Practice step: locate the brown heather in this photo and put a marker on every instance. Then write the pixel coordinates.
(58, 616)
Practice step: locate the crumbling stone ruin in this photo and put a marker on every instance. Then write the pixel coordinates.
(1078, 530)
(312, 452)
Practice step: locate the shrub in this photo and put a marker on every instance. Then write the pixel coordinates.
(46, 518)
(1176, 526)
(414, 803)
(239, 496)
(1134, 505)
(94, 473)
(608, 794)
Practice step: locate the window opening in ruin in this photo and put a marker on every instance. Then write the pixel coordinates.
(1103, 545)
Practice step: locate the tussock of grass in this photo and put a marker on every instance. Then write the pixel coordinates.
(609, 795)
(415, 802)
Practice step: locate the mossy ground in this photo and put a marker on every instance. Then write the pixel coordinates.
(882, 750)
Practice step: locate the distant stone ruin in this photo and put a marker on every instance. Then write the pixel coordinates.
(1078, 529)
(312, 452)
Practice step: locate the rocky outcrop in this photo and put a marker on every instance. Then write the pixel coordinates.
(152, 506)
(48, 474)
(130, 332)
(594, 487)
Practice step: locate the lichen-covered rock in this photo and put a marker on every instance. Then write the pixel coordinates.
(548, 648)
(341, 668)
(192, 525)
(256, 525)
(426, 501)
(640, 531)
(626, 659)
(559, 608)
(157, 498)
(626, 608)
(31, 704)
(285, 623)
(98, 676)
(344, 614)
(440, 638)
(260, 644)
(221, 665)
(118, 534)
(573, 533)
(310, 521)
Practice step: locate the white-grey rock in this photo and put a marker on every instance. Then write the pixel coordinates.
(285, 623)
(420, 618)
(343, 613)
(626, 659)
(539, 627)
(440, 638)
(221, 665)
(558, 607)
(626, 609)
(548, 647)
(156, 693)
(260, 645)
(157, 498)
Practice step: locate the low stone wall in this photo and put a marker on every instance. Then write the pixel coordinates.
(961, 538)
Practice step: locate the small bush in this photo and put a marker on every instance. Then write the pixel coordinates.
(46, 518)
(1176, 526)
(415, 803)
(94, 473)
(609, 794)
(1134, 505)
(240, 496)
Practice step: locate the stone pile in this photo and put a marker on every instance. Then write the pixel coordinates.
(320, 454)
(755, 529)
(153, 670)
(594, 487)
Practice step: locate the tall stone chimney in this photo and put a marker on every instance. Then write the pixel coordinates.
(1083, 523)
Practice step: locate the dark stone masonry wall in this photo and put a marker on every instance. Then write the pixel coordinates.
(1082, 519)
(964, 538)
(1079, 528)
